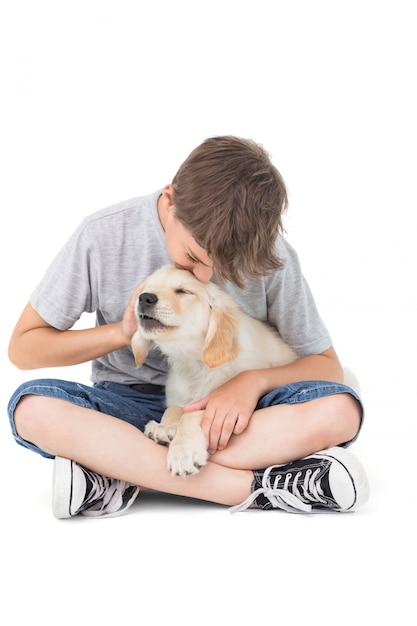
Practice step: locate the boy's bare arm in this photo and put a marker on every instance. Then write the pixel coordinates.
(35, 344)
(324, 366)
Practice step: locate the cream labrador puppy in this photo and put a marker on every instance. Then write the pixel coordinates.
(207, 339)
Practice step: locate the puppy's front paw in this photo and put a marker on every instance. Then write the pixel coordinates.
(160, 434)
(185, 459)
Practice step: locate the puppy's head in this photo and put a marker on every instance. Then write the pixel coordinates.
(180, 315)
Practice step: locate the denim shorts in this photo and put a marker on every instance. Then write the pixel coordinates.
(137, 408)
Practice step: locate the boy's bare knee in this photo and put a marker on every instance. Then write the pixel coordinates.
(338, 421)
(344, 418)
(28, 416)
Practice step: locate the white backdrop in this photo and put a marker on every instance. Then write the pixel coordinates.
(101, 101)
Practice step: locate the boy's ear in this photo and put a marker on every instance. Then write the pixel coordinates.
(168, 197)
(140, 347)
(221, 343)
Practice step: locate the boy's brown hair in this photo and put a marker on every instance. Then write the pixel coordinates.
(231, 198)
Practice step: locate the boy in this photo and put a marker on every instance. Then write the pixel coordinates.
(221, 219)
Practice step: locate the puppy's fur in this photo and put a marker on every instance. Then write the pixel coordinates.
(207, 339)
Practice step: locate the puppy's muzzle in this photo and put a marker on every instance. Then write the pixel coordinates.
(148, 318)
(147, 301)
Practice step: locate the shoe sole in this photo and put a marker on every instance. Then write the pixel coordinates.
(352, 493)
(63, 505)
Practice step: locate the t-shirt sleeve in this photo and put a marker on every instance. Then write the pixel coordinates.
(292, 309)
(65, 291)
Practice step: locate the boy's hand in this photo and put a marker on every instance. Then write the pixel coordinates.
(129, 323)
(228, 410)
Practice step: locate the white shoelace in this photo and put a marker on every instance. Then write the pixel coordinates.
(281, 497)
(107, 496)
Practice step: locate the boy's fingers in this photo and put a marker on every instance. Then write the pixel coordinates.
(200, 405)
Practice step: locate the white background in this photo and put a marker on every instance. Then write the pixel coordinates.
(102, 101)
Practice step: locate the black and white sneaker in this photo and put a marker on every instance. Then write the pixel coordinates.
(331, 480)
(77, 490)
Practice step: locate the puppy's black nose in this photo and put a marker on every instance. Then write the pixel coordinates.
(147, 300)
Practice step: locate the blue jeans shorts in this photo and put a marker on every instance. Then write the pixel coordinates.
(137, 408)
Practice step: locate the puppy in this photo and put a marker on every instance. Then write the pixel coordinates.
(207, 339)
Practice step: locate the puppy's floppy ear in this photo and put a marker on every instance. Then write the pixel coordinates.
(221, 343)
(140, 347)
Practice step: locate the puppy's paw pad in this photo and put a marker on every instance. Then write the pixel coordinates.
(171, 431)
(157, 433)
(185, 460)
(150, 429)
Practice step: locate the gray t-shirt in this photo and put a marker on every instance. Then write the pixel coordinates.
(114, 249)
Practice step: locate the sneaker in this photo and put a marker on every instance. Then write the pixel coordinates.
(77, 490)
(331, 480)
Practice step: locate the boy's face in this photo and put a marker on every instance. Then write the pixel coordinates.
(182, 248)
(185, 252)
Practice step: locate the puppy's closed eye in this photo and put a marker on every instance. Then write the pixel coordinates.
(180, 291)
